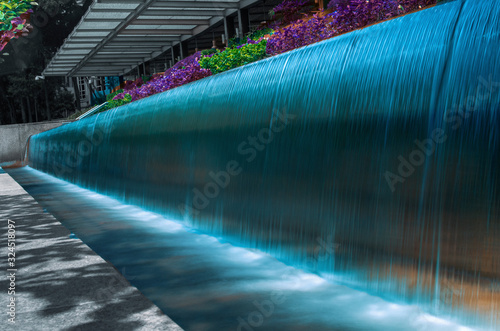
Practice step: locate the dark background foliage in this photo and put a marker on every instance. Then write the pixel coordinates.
(22, 99)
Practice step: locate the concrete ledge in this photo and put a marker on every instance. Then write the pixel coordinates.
(13, 137)
(61, 284)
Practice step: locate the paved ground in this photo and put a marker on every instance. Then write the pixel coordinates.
(60, 283)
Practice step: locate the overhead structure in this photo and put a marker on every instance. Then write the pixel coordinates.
(115, 36)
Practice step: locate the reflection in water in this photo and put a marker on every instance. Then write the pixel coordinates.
(203, 283)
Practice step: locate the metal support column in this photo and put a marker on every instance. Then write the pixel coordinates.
(226, 35)
(184, 49)
(240, 25)
(231, 31)
(244, 17)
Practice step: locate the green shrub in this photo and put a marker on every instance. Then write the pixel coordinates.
(256, 35)
(208, 51)
(116, 103)
(234, 57)
(112, 95)
(233, 42)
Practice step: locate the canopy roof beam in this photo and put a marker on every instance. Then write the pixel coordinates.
(116, 34)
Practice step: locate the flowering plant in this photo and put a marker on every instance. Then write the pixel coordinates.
(185, 71)
(352, 14)
(14, 17)
(301, 33)
(289, 10)
(11, 10)
(347, 15)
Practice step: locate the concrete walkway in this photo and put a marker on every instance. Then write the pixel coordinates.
(60, 283)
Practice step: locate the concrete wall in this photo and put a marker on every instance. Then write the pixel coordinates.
(13, 138)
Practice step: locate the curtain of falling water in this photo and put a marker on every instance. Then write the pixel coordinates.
(381, 169)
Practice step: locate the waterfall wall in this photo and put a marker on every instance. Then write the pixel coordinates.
(371, 158)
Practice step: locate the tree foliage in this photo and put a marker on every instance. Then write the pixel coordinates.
(25, 58)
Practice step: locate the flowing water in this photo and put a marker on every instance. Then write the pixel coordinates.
(204, 283)
(371, 159)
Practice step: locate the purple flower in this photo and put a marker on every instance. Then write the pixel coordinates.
(300, 34)
(289, 10)
(183, 72)
(119, 96)
(347, 15)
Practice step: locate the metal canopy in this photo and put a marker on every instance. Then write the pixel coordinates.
(115, 36)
